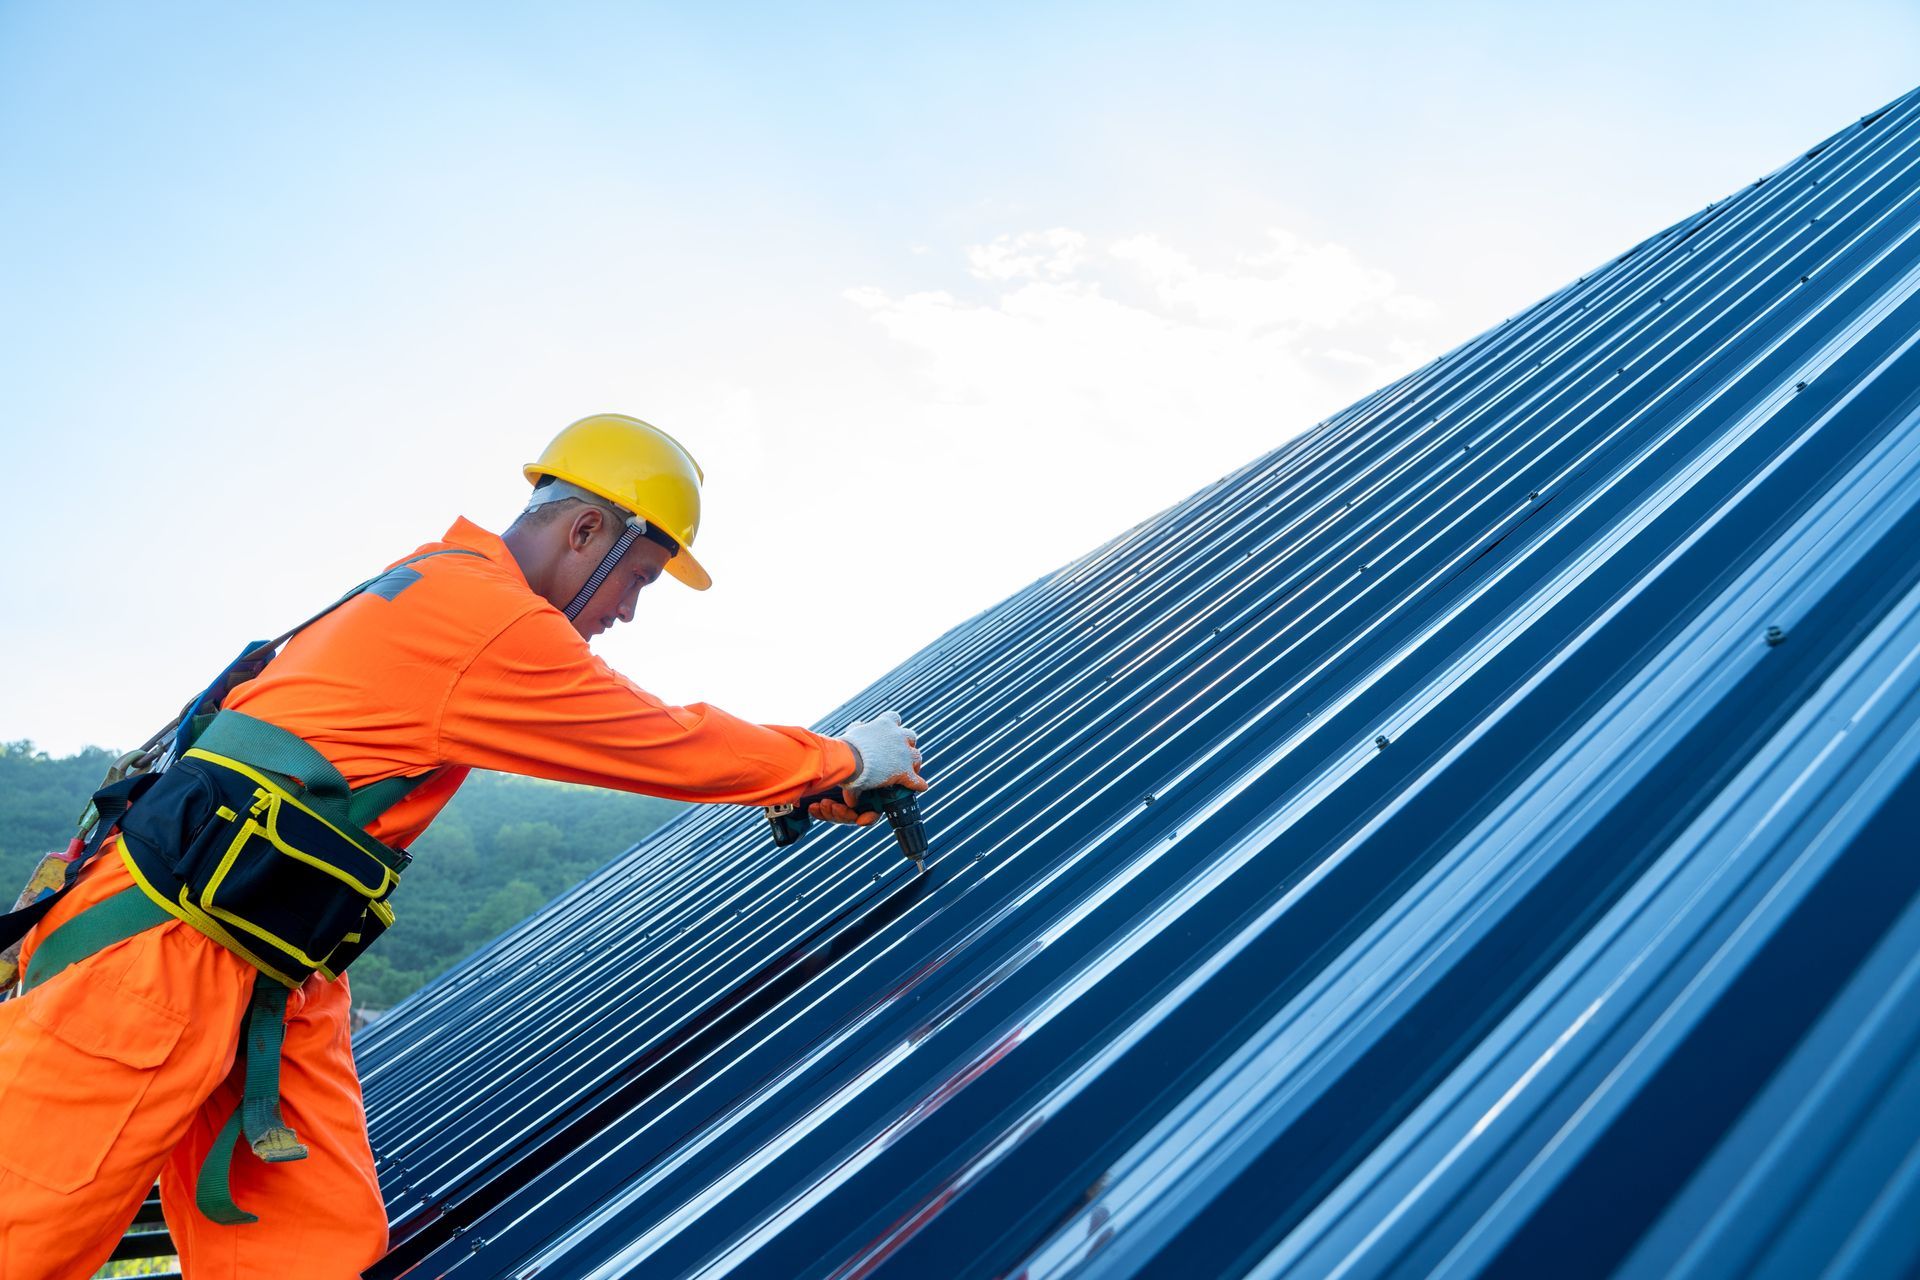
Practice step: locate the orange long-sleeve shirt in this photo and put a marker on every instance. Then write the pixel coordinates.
(455, 661)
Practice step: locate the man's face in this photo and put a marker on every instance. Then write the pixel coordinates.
(614, 601)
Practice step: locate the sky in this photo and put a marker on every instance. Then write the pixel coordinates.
(940, 296)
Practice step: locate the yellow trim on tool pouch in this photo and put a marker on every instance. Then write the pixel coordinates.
(357, 838)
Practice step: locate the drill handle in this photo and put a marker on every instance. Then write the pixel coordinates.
(790, 821)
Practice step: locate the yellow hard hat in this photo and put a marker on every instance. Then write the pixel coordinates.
(635, 465)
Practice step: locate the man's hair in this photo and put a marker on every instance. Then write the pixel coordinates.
(546, 506)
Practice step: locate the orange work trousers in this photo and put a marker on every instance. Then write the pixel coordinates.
(121, 1070)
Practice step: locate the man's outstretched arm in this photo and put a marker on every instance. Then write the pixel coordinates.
(536, 701)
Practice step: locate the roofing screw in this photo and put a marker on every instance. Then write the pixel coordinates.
(1147, 799)
(1380, 741)
(1533, 495)
(1799, 386)
(1775, 635)
(1804, 279)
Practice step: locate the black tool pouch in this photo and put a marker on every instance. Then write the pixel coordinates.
(248, 858)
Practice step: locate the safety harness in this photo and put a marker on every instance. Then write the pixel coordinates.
(250, 835)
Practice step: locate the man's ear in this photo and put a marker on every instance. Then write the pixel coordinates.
(580, 533)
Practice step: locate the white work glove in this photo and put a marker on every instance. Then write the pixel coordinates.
(887, 752)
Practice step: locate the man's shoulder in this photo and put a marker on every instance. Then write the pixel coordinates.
(469, 574)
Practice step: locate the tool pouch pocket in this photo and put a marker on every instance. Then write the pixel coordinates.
(247, 858)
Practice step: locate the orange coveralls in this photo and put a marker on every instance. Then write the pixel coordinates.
(119, 1069)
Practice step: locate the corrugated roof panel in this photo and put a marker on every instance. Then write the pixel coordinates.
(1475, 839)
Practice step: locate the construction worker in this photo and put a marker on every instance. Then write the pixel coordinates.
(122, 1065)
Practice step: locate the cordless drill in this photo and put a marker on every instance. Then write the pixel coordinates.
(790, 821)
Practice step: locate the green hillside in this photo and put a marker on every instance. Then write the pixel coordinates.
(505, 847)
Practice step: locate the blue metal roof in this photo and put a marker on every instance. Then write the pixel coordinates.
(1476, 839)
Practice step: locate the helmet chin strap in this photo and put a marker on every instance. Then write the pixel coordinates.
(628, 536)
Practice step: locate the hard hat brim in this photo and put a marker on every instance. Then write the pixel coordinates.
(688, 570)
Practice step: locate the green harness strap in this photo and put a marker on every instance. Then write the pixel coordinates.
(269, 747)
(98, 927)
(258, 1114)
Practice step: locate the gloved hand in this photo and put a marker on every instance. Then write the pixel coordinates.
(888, 752)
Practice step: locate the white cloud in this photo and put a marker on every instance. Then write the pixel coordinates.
(1289, 284)
(1135, 372)
(1032, 255)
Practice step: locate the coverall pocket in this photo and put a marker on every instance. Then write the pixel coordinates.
(78, 1059)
